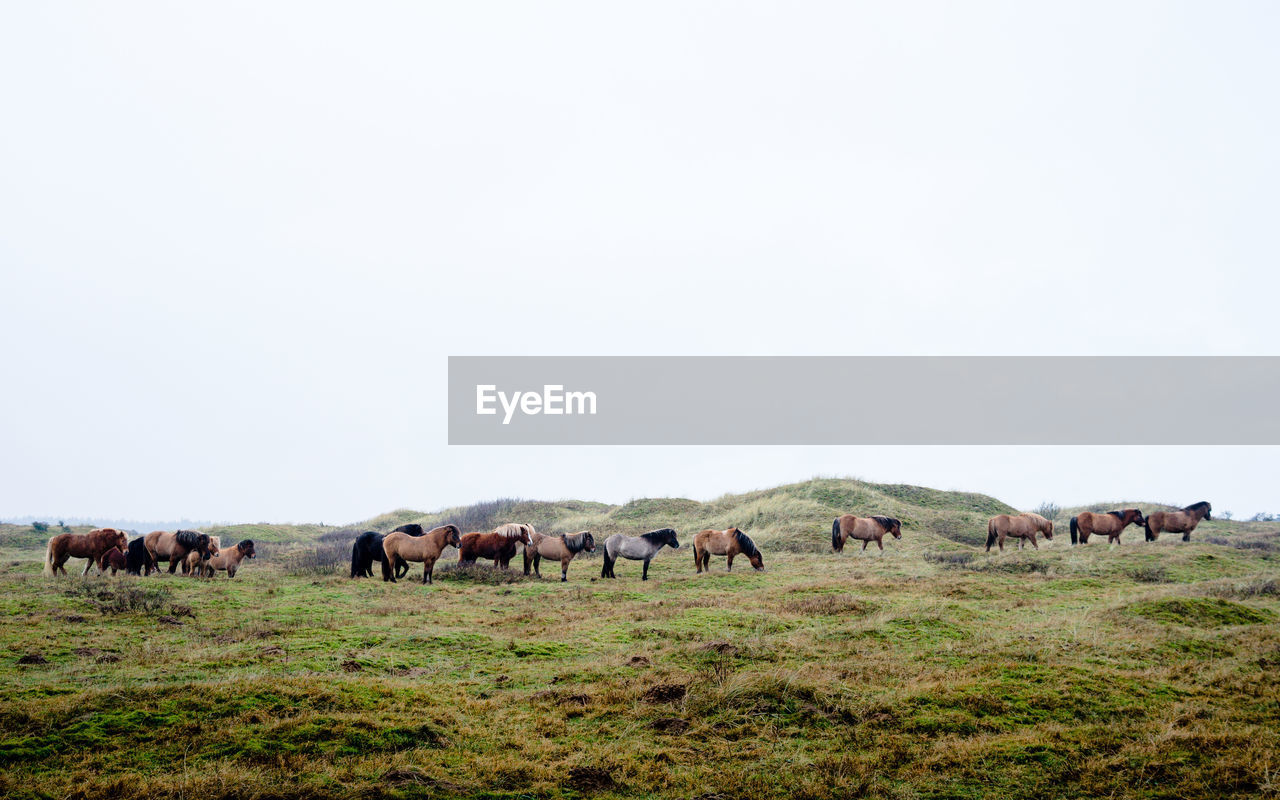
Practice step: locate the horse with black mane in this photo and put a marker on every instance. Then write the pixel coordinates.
(400, 545)
(173, 546)
(729, 543)
(91, 546)
(1183, 522)
(636, 548)
(864, 529)
(138, 558)
(1110, 524)
(560, 548)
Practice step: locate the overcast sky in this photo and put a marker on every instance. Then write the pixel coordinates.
(238, 241)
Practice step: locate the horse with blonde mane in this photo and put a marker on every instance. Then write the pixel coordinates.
(1183, 522)
(560, 548)
(729, 543)
(863, 529)
(500, 545)
(195, 562)
(91, 546)
(425, 548)
(1110, 524)
(1022, 527)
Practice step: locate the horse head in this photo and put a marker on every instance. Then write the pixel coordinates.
(121, 541)
(1135, 516)
(246, 549)
(895, 527)
(671, 539)
(589, 542)
(454, 538)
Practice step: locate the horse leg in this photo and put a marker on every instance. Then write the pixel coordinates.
(865, 542)
(1032, 539)
(644, 574)
(880, 544)
(564, 570)
(88, 566)
(729, 563)
(426, 570)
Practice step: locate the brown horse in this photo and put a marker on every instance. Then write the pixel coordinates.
(729, 543)
(425, 548)
(1022, 527)
(560, 548)
(865, 529)
(113, 559)
(1183, 522)
(1110, 524)
(173, 546)
(229, 560)
(194, 564)
(500, 545)
(92, 546)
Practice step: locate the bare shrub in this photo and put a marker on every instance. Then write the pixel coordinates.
(329, 558)
(120, 596)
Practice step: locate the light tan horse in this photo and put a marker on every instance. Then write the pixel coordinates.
(560, 548)
(173, 546)
(729, 543)
(864, 529)
(1110, 524)
(1022, 527)
(425, 548)
(194, 564)
(92, 546)
(229, 561)
(1183, 522)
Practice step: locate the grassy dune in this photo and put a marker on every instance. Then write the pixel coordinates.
(936, 670)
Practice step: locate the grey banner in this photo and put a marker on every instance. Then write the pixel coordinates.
(767, 400)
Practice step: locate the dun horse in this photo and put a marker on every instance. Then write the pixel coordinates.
(636, 548)
(425, 548)
(174, 546)
(864, 529)
(230, 559)
(1022, 527)
(1110, 524)
(727, 543)
(500, 545)
(1183, 522)
(91, 546)
(560, 548)
(195, 561)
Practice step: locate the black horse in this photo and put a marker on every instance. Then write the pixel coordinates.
(139, 558)
(368, 548)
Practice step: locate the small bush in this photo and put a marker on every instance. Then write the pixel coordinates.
(40, 527)
(324, 559)
(1149, 574)
(1049, 510)
(1199, 612)
(120, 597)
(949, 557)
(476, 573)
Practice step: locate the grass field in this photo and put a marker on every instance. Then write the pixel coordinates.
(935, 670)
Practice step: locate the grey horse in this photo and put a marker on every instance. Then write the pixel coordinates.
(636, 548)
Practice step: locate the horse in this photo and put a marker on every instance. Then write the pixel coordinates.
(194, 563)
(367, 548)
(90, 546)
(138, 558)
(1184, 521)
(865, 529)
(1112, 523)
(729, 543)
(636, 548)
(173, 546)
(1022, 527)
(230, 560)
(113, 558)
(560, 548)
(425, 548)
(500, 545)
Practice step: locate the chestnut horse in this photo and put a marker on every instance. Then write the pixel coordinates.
(230, 559)
(174, 546)
(1110, 524)
(729, 543)
(91, 546)
(1022, 527)
(1183, 522)
(500, 545)
(560, 548)
(113, 558)
(865, 529)
(425, 548)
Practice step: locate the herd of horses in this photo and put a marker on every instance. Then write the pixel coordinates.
(202, 555)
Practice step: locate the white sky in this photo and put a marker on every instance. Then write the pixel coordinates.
(238, 241)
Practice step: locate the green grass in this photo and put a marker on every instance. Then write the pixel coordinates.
(1145, 670)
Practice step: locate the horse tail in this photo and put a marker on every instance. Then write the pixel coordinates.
(1146, 524)
(388, 573)
(991, 533)
(355, 559)
(528, 559)
(48, 557)
(607, 566)
(835, 535)
(1075, 530)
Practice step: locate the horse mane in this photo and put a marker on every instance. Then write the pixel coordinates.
(411, 528)
(188, 539)
(745, 544)
(245, 545)
(659, 534)
(1117, 514)
(512, 530)
(1202, 505)
(575, 541)
(446, 527)
(887, 523)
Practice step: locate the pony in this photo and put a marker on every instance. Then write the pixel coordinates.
(113, 558)
(174, 546)
(1022, 527)
(864, 529)
(138, 558)
(367, 548)
(90, 546)
(500, 545)
(1112, 523)
(729, 543)
(1183, 522)
(636, 548)
(560, 548)
(230, 560)
(425, 548)
(194, 563)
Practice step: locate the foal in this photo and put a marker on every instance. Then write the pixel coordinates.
(560, 548)
(636, 548)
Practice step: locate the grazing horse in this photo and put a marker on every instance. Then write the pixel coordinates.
(138, 558)
(174, 546)
(636, 548)
(195, 562)
(114, 559)
(230, 560)
(865, 529)
(1183, 522)
(500, 545)
(425, 548)
(91, 546)
(367, 549)
(1022, 527)
(729, 543)
(560, 548)
(1110, 524)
